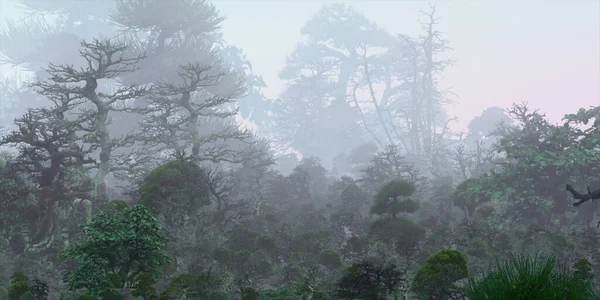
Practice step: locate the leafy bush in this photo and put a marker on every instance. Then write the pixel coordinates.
(366, 280)
(436, 279)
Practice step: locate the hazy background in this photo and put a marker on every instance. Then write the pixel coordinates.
(544, 52)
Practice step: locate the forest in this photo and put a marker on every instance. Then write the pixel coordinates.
(129, 170)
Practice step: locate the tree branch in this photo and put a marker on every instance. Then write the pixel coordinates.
(591, 195)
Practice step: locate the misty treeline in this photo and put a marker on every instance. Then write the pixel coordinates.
(127, 173)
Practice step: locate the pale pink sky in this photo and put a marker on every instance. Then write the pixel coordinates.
(543, 52)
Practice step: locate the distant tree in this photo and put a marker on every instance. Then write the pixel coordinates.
(399, 230)
(199, 81)
(191, 286)
(180, 111)
(315, 109)
(351, 208)
(106, 60)
(468, 196)
(389, 165)
(484, 126)
(175, 191)
(392, 199)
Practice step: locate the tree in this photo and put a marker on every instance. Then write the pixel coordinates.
(591, 195)
(392, 200)
(316, 109)
(115, 249)
(410, 111)
(50, 135)
(468, 196)
(106, 60)
(198, 79)
(175, 191)
(388, 165)
(366, 280)
(437, 277)
(388, 199)
(203, 287)
(179, 109)
(541, 159)
(49, 32)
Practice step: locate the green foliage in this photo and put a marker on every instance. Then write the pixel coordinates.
(526, 278)
(17, 290)
(129, 243)
(309, 244)
(484, 211)
(266, 243)
(144, 286)
(39, 289)
(115, 206)
(543, 157)
(478, 248)
(468, 196)
(387, 200)
(284, 292)
(87, 296)
(241, 238)
(255, 263)
(221, 254)
(175, 189)
(111, 294)
(356, 245)
(330, 259)
(366, 280)
(190, 286)
(292, 273)
(20, 289)
(401, 230)
(582, 270)
(437, 277)
(15, 201)
(250, 294)
(18, 277)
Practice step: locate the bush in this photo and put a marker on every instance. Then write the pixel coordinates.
(529, 278)
(436, 279)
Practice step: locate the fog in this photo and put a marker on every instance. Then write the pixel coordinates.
(293, 149)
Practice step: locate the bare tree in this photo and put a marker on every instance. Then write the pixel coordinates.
(193, 114)
(49, 150)
(104, 60)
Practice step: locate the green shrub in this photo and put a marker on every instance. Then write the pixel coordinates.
(436, 279)
(17, 290)
(529, 278)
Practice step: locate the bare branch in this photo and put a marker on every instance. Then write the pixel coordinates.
(591, 195)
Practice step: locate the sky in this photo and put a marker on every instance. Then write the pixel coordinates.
(546, 53)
